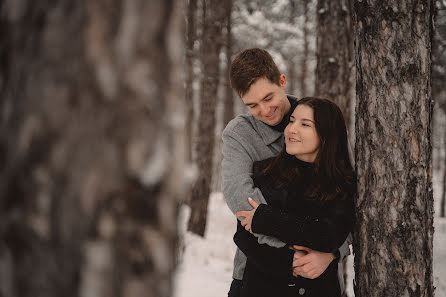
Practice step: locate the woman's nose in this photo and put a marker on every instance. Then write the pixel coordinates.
(293, 128)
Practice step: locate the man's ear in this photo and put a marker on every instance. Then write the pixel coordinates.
(282, 80)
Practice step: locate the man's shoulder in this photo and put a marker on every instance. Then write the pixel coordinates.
(241, 124)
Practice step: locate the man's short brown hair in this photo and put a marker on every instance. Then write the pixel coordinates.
(250, 65)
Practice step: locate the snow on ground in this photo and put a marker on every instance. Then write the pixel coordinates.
(205, 265)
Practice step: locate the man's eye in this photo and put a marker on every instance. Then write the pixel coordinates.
(268, 99)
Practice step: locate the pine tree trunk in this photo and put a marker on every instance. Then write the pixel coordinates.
(334, 51)
(89, 174)
(443, 196)
(394, 206)
(291, 66)
(214, 16)
(228, 113)
(190, 77)
(305, 42)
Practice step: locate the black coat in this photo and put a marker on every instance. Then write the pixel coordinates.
(294, 219)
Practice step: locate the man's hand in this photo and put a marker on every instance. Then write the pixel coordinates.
(248, 215)
(311, 265)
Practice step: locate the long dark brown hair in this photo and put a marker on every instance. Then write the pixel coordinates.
(333, 171)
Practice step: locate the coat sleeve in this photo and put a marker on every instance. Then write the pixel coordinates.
(324, 234)
(275, 262)
(237, 183)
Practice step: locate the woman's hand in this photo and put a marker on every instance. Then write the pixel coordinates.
(313, 264)
(248, 215)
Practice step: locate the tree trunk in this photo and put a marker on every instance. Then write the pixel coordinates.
(213, 21)
(443, 196)
(291, 66)
(190, 77)
(305, 43)
(334, 51)
(90, 178)
(228, 113)
(394, 206)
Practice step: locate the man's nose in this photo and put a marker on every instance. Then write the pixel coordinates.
(264, 109)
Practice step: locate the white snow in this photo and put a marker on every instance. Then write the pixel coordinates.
(205, 265)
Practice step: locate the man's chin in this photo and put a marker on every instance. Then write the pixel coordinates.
(272, 122)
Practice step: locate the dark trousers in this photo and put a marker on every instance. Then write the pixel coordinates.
(236, 287)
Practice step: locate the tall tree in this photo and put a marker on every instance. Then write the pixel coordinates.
(335, 53)
(394, 205)
(190, 77)
(212, 40)
(291, 66)
(228, 106)
(334, 68)
(89, 180)
(438, 91)
(305, 52)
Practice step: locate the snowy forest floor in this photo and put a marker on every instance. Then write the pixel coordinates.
(205, 264)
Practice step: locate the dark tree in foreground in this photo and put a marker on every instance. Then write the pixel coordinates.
(89, 180)
(394, 206)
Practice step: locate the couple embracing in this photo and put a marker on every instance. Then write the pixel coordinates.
(287, 176)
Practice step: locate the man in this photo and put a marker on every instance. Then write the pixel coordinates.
(258, 136)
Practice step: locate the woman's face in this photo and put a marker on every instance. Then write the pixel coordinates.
(301, 138)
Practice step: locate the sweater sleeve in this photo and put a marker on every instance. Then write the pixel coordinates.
(324, 234)
(237, 183)
(275, 262)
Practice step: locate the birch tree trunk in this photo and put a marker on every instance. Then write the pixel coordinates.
(89, 140)
(394, 206)
(214, 17)
(335, 52)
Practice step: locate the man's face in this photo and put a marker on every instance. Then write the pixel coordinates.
(267, 101)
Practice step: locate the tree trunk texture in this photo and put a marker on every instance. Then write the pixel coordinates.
(335, 54)
(305, 43)
(213, 23)
(291, 75)
(228, 113)
(190, 77)
(443, 196)
(90, 175)
(394, 205)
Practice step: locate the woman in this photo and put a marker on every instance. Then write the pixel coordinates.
(309, 189)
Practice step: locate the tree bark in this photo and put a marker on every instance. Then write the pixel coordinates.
(228, 113)
(90, 174)
(190, 77)
(335, 52)
(305, 43)
(394, 205)
(214, 16)
(443, 196)
(291, 66)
